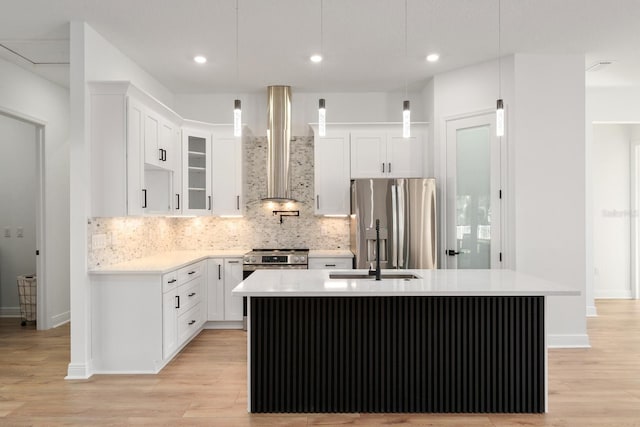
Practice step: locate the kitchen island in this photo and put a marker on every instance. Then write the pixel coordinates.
(446, 341)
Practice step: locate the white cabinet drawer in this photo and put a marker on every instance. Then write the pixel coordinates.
(330, 263)
(190, 294)
(169, 281)
(189, 323)
(190, 272)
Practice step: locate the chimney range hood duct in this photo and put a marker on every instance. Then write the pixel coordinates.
(278, 143)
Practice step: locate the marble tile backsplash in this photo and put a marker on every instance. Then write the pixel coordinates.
(258, 228)
(129, 238)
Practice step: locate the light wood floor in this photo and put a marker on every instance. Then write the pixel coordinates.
(205, 384)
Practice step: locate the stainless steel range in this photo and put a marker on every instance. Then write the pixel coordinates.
(272, 259)
(260, 259)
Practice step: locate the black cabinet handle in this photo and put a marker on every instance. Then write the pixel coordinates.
(177, 301)
(178, 198)
(172, 281)
(237, 202)
(160, 150)
(144, 203)
(317, 201)
(329, 265)
(209, 197)
(191, 272)
(192, 322)
(233, 262)
(451, 252)
(382, 167)
(191, 294)
(219, 272)
(164, 155)
(389, 167)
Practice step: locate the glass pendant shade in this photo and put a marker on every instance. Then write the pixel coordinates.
(500, 118)
(237, 118)
(406, 120)
(322, 118)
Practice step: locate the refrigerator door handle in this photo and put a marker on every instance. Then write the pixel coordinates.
(394, 226)
(402, 216)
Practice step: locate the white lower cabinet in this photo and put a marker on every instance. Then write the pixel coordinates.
(330, 263)
(215, 289)
(232, 276)
(140, 320)
(181, 306)
(224, 274)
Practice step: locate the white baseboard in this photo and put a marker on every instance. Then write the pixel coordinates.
(592, 311)
(612, 294)
(60, 319)
(568, 341)
(224, 324)
(9, 311)
(78, 371)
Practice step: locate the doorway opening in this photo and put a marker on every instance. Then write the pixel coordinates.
(616, 162)
(21, 212)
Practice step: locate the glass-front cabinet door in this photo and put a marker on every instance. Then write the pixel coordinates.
(196, 172)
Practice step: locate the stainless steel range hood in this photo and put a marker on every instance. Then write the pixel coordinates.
(278, 143)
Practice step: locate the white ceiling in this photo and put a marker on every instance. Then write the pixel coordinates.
(363, 39)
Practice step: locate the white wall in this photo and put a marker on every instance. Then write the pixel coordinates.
(544, 145)
(341, 108)
(549, 178)
(18, 195)
(611, 211)
(93, 58)
(29, 95)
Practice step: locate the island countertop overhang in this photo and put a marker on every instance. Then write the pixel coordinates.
(310, 283)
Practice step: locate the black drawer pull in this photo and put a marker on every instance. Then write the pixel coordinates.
(191, 294)
(329, 265)
(192, 272)
(172, 281)
(177, 301)
(192, 322)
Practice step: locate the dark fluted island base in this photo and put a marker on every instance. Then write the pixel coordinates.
(443, 354)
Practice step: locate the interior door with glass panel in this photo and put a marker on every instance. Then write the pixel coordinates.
(473, 194)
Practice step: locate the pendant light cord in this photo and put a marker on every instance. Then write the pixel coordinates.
(406, 55)
(237, 49)
(321, 46)
(499, 50)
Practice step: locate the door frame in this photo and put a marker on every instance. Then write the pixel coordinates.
(41, 271)
(502, 180)
(634, 204)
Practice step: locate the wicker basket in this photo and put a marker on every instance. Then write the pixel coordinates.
(27, 292)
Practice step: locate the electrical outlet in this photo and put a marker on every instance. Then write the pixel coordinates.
(99, 241)
(20, 232)
(7, 232)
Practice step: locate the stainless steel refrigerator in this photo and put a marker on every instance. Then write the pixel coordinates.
(406, 208)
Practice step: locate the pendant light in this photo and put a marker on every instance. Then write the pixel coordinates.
(500, 102)
(322, 111)
(237, 104)
(406, 110)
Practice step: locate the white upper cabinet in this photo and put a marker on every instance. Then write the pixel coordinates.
(382, 152)
(196, 172)
(227, 174)
(331, 173)
(122, 183)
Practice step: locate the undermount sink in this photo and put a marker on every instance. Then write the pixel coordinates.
(405, 276)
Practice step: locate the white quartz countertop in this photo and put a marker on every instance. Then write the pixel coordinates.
(288, 283)
(166, 261)
(333, 253)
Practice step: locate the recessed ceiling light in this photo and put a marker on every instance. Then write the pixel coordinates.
(316, 58)
(433, 57)
(200, 59)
